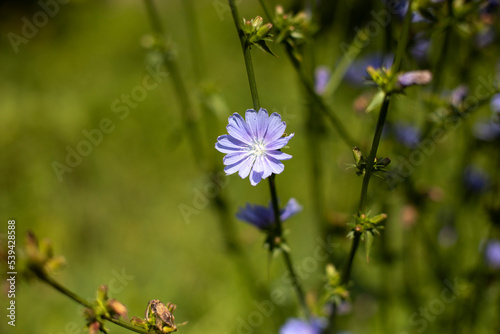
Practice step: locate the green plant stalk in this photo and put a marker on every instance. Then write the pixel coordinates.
(309, 86)
(346, 273)
(323, 107)
(194, 39)
(440, 63)
(286, 255)
(59, 287)
(188, 116)
(226, 225)
(272, 185)
(347, 269)
(245, 46)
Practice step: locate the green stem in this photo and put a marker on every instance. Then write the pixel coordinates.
(272, 185)
(245, 46)
(346, 271)
(296, 284)
(376, 140)
(441, 61)
(276, 209)
(278, 232)
(182, 95)
(403, 40)
(373, 153)
(309, 86)
(194, 39)
(325, 109)
(56, 285)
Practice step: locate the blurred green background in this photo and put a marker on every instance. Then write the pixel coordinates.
(118, 210)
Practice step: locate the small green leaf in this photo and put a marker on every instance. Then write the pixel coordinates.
(368, 245)
(376, 101)
(263, 46)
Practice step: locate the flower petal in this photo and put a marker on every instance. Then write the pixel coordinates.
(256, 215)
(228, 144)
(246, 168)
(291, 208)
(279, 155)
(262, 122)
(275, 128)
(258, 166)
(279, 143)
(233, 168)
(252, 122)
(232, 158)
(239, 129)
(274, 165)
(268, 167)
(255, 177)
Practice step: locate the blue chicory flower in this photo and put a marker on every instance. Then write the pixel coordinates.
(253, 145)
(407, 134)
(297, 326)
(263, 217)
(492, 253)
(321, 77)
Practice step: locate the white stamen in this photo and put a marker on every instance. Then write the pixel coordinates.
(257, 148)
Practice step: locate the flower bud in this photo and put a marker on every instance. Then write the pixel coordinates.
(116, 309)
(414, 78)
(257, 22)
(264, 30)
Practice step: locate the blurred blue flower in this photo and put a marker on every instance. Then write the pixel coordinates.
(458, 95)
(411, 78)
(400, 8)
(263, 217)
(253, 145)
(492, 253)
(490, 7)
(420, 47)
(356, 74)
(397, 7)
(475, 180)
(485, 37)
(321, 77)
(487, 131)
(407, 134)
(495, 104)
(297, 326)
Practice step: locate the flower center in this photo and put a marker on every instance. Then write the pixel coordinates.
(258, 149)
